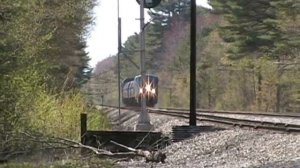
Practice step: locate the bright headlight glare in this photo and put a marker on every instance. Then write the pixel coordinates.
(148, 88)
(153, 91)
(141, 90)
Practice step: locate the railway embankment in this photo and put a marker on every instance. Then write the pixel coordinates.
(229, 148)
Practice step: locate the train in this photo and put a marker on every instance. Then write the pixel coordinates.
(134, 88)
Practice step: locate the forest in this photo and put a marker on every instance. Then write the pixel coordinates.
(247, 56)
(43, 66)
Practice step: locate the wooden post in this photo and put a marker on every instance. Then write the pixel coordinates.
(83, 126)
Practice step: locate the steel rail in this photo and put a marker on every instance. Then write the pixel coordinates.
(236, 122)
(268, 125)
(268, 114)
(229, 118)
(207, 111)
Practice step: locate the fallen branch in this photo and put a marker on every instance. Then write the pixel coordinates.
(63, 143)
(97, 151)
(48, 143)
(150, 156)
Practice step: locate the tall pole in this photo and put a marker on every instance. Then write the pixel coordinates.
(193, 65)
(119, 53)
(144, 119)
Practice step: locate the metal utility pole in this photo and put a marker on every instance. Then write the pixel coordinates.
(193, 64)
(119, 53)
(144, 119)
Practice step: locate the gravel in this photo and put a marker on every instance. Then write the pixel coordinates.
(229, 148)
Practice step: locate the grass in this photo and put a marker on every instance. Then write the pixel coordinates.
(58, 115)
(81, 163)
(96, 120)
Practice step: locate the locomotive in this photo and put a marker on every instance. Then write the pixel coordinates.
(134, 88)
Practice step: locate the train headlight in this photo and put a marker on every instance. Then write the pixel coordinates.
(141, 90)
(153, 91)
(148, 88)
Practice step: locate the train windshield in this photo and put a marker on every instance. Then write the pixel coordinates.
(151, 79)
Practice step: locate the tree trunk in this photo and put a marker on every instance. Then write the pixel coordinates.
(259, 89)
(278, 95)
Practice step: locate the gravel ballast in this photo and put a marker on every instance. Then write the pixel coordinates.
(230, 148)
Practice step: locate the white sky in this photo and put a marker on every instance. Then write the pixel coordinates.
(103, 39)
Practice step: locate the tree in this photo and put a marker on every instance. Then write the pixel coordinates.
(41, 44)
(68, 21)
(163, 14)
(251, 26)
(260, 30)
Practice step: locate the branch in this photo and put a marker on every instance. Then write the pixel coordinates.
(64, 143)
(150, 156)
(97, 151)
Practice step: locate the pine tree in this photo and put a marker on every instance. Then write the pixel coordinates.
(168, 10)
(251, 26)
(267, 29)
(255, 26)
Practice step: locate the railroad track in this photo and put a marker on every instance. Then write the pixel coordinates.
(203, 111)
(214, 117)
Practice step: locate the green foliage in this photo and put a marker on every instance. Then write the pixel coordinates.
(58, 114)
(97, 120)
(210, 74)
(255, 26)
(69, 21)
(94, 162)
(154, 47)
(238, 90)
(42, 61)
(30, 42)
(129, 55)
(268, 30)
(163, 14)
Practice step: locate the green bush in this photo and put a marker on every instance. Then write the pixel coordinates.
(93, 162)
(59, 114)
(96, 120)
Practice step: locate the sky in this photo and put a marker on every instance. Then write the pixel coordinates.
(103, 39)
